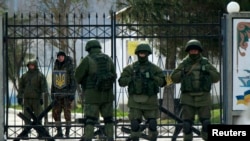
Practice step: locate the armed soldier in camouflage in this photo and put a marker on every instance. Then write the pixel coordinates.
(32, 87)
(96, 74)
(143, 79)
(196, 75)
(63, 91)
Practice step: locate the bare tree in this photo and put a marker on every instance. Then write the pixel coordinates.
(60, 10)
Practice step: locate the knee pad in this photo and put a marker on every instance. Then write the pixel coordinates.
(91, 120)
(108, 120)
(152, 124)
(205, 123)
(187, 126)
(135, 125)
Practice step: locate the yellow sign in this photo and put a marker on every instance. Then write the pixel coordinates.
(131, 47)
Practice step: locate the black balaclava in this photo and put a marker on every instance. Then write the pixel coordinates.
(143, 59)
(195, 56)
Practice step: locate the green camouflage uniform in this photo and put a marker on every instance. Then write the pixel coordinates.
(64, 96)
(95, 101)
(196, 74)
(143, 79)
(32, 87)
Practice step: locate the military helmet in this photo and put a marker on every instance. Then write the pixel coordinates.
(193, 44)
(92, 43)
(33, 62)
(143, 46)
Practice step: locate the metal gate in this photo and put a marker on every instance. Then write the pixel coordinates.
(40, 36)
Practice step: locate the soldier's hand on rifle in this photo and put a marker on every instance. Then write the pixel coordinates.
(41, 101)
(20, 101)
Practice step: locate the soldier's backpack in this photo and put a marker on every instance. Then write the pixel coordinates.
(104, 79)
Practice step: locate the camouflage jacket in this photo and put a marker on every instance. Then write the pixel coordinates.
(142, 87)
(84, 73)
(32, 84)
(196, 78)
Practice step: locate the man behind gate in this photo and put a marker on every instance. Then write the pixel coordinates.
(63, 91)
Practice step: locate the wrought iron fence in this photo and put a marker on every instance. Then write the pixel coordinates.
(40, 36)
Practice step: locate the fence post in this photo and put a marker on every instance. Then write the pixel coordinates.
(2, 138)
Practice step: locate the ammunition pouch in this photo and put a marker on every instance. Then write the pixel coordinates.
(186, 83)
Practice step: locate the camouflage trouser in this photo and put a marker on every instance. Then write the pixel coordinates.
(138, 114)
(188, 114)
(91, 112)
(34, 105)
(62, 104)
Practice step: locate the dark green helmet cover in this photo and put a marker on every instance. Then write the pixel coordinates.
(34, 62)
(193, 44)
(92, 43)
(143, 46)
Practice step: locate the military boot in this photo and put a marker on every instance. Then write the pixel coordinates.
(134, 139)
(134, 136)
(67, 132)
(109, 139)
(188, 137)
(83, 139)
(59, 133)
(67, 129)
(204, 135)
(153, 135)
(109, 131)
(25, 137)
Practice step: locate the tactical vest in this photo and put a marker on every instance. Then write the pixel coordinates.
(142, 83)
(190, 82)
(102, 79)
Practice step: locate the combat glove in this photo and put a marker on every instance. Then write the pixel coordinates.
(205, 68)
